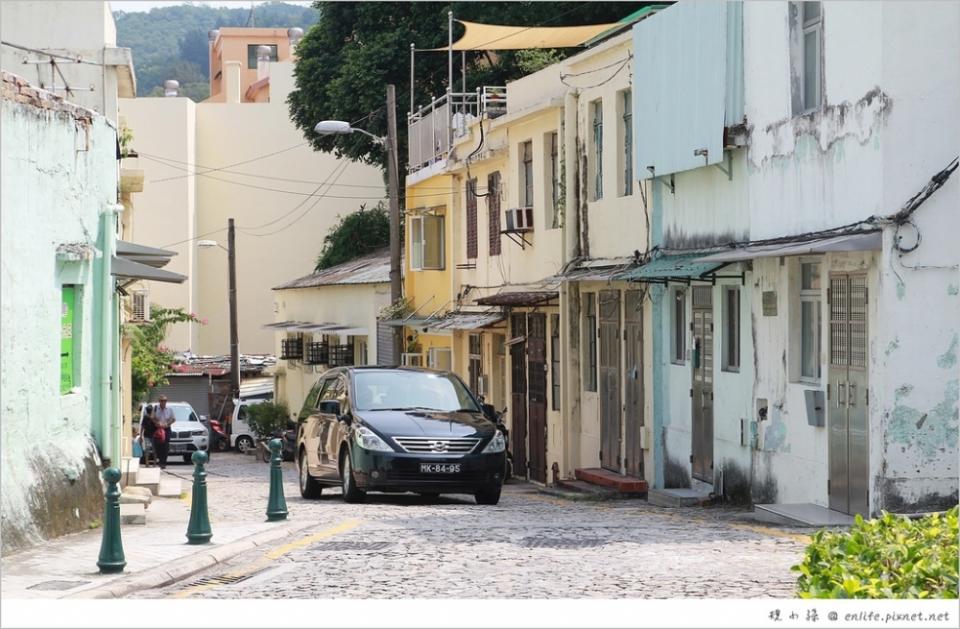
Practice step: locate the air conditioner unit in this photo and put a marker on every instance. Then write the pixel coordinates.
(140, 312)
(646, 437)
(520, 219)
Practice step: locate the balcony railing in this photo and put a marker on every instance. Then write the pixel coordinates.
(291, 348)
(318, 353)
(432, 128)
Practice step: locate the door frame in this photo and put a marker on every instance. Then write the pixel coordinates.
(702, 360)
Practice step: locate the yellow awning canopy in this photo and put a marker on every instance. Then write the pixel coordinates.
(497, 37)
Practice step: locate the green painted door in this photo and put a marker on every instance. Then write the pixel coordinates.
(67, 307)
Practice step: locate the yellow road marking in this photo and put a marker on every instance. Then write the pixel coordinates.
(271, 556)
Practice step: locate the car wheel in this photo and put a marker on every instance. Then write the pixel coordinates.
(309, 487)
(244, 443)
(508, 470)
(487, 497)
(430, 496)
(350, 492)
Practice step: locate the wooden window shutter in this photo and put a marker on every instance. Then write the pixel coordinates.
(493, 211)
(472, 219)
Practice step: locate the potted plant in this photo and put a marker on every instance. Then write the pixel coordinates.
(268, 420)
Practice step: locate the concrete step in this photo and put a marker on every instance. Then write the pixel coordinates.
(170, 488)
(679, 497)
(801, 514)
(129, 467)
(136, 495)
(149, 477)
(582, 490)
(132, 514)
(618, 482)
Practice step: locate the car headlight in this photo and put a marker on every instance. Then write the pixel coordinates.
(197, 433)
(497, 444)
(368, 440)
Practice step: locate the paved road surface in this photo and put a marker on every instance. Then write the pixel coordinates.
(528, 546)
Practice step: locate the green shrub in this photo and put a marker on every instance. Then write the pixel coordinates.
(265, 417)
(887, 557)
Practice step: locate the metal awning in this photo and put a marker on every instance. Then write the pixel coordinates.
(598, 269)
(519, 298)
(863, 241)
(283, 325)
(143, 254)
(466, 320)
(682, 267)
(129, 269)
(413, 322)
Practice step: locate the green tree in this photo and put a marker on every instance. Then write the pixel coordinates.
(150, 362)
(346, 59)
(355, 235)
(266, 417)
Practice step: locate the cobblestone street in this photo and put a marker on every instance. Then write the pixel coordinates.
(528, 546)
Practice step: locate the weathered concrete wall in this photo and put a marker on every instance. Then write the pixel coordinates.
(888, 125)
(59, 169)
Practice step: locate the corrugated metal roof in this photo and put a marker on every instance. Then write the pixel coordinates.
(370, 269)
(466, 320)
(665, 267)
(520, 298)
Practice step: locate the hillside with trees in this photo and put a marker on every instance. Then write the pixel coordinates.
(171, 42)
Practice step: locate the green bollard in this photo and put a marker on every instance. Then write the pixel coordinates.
(111, 546)
(276, 504)
(198, 531)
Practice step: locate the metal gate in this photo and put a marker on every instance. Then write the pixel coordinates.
(610, 415)
(633, 381)
(848, 449)
(537, 395)
(518, 394)
(702, 391)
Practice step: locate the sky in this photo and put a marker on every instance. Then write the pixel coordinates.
(146, 5)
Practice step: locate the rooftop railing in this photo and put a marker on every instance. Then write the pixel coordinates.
(431, 130)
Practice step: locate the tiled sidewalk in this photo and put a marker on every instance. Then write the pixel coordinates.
(67, 566)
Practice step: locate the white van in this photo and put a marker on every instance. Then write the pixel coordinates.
(241, 437)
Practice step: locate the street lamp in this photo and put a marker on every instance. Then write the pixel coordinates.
(231, 250)
(389, 142)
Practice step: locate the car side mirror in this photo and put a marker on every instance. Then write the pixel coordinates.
(330, 407)
(345, 418)
(489, 411)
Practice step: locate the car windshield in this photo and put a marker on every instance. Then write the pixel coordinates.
(184, 414)
(411, 390)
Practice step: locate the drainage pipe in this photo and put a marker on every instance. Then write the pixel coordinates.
(108, 351)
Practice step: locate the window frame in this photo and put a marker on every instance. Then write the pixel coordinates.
(812, 25)
(815, 296)
(626, 137)
(590, 346)
(526, 173)
(432, 361)
(252, 62)
(678, 326)
(555, 362)
(475, 361)
(597, 126)
(419, 243)
(552, 146)
(732, 349)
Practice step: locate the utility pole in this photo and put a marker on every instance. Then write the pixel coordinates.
(396, 289)
(234, 348)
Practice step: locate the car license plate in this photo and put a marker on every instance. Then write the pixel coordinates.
(177, 449)
(439, 468)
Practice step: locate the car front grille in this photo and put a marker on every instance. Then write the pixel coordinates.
(437, 445)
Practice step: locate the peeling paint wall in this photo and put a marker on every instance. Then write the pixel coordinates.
(59, 171)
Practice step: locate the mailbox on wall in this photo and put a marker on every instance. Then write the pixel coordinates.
(816, 407)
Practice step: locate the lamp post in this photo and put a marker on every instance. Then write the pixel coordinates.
(231, 250)
(389, 143)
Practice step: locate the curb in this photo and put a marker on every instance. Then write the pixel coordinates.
(179, 569)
